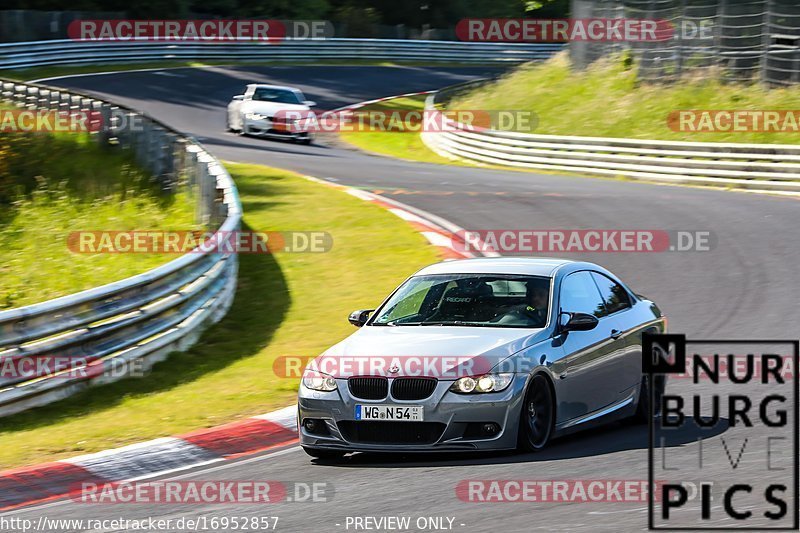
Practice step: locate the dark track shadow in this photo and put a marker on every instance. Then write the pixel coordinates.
(268, 145)
(599, 441)
(244, 331)
(329, 86)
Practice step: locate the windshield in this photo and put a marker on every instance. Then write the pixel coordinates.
(280, 96)
(489, 300)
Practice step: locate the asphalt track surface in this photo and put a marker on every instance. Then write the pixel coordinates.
(746, 287)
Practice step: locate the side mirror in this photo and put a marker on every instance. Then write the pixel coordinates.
(579, 322)
(239, 97)
(310, 103)
(360, 317)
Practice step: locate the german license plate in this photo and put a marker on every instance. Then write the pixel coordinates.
(397, 413)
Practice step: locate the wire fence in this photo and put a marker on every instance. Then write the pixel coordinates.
(741, 39)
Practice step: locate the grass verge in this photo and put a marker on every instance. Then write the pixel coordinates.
(286, 304)
(53, 185)
(395, 141)
(607, 100)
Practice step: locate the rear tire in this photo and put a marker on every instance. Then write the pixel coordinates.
(323, 454)
(642, 415)
(537, 419)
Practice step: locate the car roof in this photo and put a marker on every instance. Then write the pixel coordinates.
(265, 86)
(529, 266)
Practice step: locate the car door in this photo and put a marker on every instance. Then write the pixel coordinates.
(622, 320)
(586, 374)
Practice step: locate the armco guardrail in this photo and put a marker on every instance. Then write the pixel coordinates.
(751, 166)
(107, 331)
(66, 52)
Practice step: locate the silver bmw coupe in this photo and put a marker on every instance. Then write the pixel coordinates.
(482, 354)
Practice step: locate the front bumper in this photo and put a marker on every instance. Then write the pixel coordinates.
(267, 128)
(450, 420)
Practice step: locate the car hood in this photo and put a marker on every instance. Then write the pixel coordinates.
(270, 108)
(445, 352)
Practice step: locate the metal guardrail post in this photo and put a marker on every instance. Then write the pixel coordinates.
(106, 127)
(765, 41)
(205, 185)
(153, 153)
(169, 161)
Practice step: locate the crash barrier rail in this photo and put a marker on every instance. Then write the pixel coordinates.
(68, 52)
(735, 165)
(111, 331)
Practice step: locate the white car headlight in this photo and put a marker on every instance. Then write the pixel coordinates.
(485, 383)
(255, 116)
(318, 381)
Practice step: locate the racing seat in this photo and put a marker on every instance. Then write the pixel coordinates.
(462, 303)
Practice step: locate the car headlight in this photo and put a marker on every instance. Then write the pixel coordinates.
(255, 116)
(319, 381)
(480, 384)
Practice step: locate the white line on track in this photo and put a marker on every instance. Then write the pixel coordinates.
(224, 466)
(87, 74)
(107, 72)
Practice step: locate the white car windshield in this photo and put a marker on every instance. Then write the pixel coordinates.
(488, 300)
(281, 96)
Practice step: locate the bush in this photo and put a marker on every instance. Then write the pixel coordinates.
(73, 163)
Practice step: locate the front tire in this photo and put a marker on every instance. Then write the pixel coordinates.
(537, 419)
(323, 454)
(228, 126)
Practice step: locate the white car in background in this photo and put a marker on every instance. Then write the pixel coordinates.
(272, 111)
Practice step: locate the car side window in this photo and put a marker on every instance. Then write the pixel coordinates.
(579, 294)
(614, 295)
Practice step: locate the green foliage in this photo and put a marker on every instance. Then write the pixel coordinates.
(357, 20)
(53, 185)
(29, 161)
(277, 312)
(608, 100)
(547, 8)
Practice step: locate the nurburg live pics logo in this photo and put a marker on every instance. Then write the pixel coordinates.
(723, 445)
